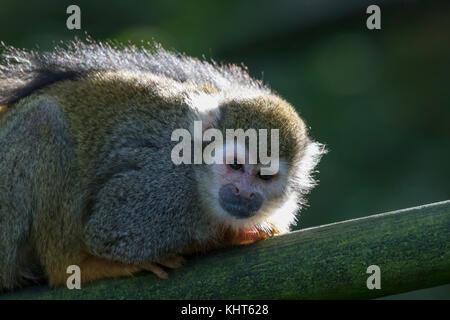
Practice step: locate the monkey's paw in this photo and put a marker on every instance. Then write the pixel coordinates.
(172, 262)
(250, 236)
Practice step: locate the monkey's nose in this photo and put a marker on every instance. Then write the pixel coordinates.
(240, 205)
(244, 194)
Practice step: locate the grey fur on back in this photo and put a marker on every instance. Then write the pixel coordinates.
(24, 165)
(22, 72)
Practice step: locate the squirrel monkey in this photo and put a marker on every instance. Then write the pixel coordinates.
(86, 171)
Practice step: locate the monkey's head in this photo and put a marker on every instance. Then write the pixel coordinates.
(264, 193)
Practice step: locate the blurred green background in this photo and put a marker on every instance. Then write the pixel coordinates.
(380, 100)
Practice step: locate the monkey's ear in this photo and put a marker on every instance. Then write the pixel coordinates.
(210, 119)
(207, 109)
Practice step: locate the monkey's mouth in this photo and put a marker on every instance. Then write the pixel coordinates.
(238, 210)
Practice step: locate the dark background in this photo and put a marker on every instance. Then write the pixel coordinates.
(379, 99)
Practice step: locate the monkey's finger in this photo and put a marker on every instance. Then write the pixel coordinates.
(156, 270)
(173, 262)
(250, 236)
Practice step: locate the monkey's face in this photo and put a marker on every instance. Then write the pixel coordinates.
(239, 192)
(241, 195)
(244, 190)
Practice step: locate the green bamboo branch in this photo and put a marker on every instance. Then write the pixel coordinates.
(411, 247)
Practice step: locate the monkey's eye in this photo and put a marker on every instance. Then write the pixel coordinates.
(235, 165)
(265, 176)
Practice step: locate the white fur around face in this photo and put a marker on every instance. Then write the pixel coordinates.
(283, 194)
(205, 107)
(279, 208)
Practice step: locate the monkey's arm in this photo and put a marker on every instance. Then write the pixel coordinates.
(143, 214)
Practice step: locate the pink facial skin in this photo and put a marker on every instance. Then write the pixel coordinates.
(244, 190)
(246, 179)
